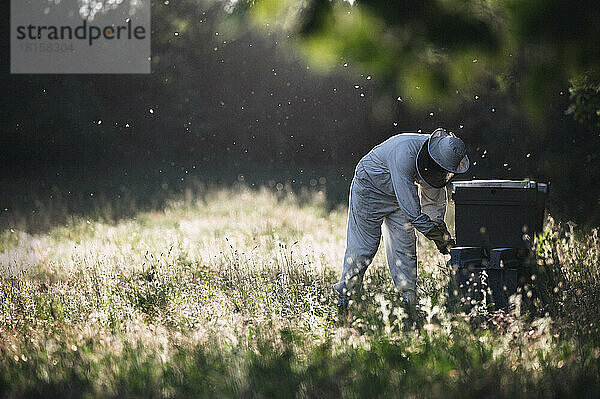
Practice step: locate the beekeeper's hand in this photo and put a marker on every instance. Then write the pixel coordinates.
(441, 237)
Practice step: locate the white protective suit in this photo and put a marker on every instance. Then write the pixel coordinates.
(385, 191)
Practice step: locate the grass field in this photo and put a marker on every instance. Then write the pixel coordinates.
(228, 293)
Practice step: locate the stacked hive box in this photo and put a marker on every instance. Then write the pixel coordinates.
(496, 222)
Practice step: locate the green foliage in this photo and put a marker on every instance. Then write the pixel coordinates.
(568, 278)
(428, 50)
(444, 51)
(585, 99)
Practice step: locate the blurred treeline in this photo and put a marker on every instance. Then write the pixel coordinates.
(224, 96)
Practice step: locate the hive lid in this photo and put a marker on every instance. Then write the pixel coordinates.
(523, 184)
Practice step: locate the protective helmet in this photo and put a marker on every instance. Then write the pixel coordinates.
(441, 157)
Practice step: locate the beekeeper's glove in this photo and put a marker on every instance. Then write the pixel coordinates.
(441, 237)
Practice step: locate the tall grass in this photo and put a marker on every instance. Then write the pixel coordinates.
(228, 293)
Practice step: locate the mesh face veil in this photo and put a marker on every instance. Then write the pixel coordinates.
(432, 173)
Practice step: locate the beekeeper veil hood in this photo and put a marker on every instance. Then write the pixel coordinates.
(441, 157)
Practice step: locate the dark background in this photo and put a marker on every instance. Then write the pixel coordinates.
(252, 111)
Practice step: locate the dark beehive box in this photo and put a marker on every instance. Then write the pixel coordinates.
(498, 213)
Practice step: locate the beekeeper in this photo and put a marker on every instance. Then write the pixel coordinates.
(400, 186)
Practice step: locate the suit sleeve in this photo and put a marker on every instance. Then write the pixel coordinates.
(433, 202)
(406, 191)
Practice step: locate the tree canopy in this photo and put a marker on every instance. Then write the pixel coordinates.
(442, 51)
